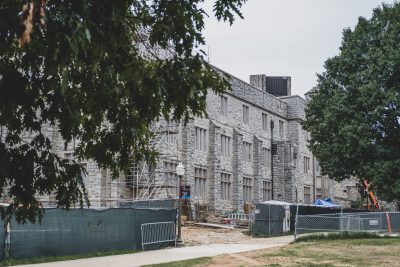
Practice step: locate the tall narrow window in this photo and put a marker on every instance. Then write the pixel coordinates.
(171, 177)
(265, 122)
(307, 195)
(306, 164)
(201, 139)
(247, 189)
(225, 146)
(226, 189)
(266, 157)
(171, 138)
(247, 152)
(267, 191)
(281, 129)
(318, 187)
(200, 182)
(224, 105)
(246, 114)
(305, 136)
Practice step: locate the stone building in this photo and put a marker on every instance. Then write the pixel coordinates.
(250, 148)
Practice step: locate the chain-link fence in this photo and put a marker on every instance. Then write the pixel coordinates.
(374, 222)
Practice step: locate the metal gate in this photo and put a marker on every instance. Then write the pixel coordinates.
(160, 232)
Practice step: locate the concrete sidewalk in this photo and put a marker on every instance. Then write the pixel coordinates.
(171, 254)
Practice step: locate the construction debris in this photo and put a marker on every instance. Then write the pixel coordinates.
(214, 225)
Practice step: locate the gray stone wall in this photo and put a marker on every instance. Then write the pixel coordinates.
(288, 175)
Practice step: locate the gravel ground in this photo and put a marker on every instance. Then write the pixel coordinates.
(194, 235)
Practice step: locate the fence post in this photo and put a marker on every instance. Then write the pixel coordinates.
(295, 222)
(269, 219)
(388, 223)
(7, 241)
(341, 221)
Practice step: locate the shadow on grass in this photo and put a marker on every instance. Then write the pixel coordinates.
(186, 263)
(340, 236)
(11, 262)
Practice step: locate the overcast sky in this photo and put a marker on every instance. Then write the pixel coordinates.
(284, 37)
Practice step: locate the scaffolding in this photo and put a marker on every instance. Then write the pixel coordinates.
(154, 182)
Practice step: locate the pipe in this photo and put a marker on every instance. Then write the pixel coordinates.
(272, 159)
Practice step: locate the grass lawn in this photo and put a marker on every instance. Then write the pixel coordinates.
(11, 262)
(194, 262)
(345, 252)
(350, 252)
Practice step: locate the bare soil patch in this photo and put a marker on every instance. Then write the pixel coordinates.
(194, 235)
(362, 252)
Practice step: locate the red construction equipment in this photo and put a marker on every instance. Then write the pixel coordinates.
(373, 205)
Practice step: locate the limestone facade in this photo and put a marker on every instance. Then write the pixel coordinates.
(247, 157)
(250, 148)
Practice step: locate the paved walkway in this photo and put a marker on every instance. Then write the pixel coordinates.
(171, 254)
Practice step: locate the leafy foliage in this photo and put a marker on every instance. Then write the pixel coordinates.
(354, 112)
(101, 72)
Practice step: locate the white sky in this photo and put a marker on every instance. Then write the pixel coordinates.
(283, 37)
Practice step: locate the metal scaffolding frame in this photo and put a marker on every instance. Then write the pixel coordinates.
(152, 183)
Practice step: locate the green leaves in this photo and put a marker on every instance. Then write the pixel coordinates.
(354, 113)
(99, 72)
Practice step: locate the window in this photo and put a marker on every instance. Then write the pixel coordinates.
(281, 129)
(171, 177)
(317, 167)
(266, 190)
(69, 156)
(265, 122)
(224, 105)
(171, 138)
(247, 152)
(318, 182)
(226, 186)
(307, 195)
(247, 189)
(306, 165)
(326, 184)
(322, 186)
(84, 173)
(200, 182)
(225, 146)
(201, 139)
(305, 136)
(266, 157)
(245, 114)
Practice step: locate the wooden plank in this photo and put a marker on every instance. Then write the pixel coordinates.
(214, 225)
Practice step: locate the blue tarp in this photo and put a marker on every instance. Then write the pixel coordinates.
(326, 203)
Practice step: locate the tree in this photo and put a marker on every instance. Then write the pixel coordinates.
(354, 112)
(83, 65)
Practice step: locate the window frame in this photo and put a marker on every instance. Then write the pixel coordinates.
(226, 146)
(266, 157)
(267, 190)
(264, 121)
(281, 128)
(306, 164)
(226, 186)
(201, 139)
(246, 114)
(247, 151)
(248, 189)
(224, 106)
(307, 195)
(200, 182)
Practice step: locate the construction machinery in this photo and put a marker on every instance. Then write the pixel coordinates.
(368, 191)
